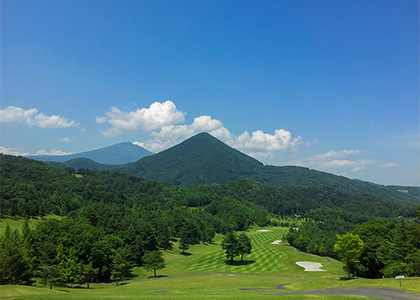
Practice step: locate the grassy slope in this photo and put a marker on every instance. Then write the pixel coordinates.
(17, 223)
(265, 259)
(270, 260)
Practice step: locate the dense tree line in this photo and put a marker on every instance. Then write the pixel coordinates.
(390, 248)
(109, 221)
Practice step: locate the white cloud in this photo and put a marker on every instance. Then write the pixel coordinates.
(13, 151)
(53, 121)
(151, 119)
(164, 124)
(31, 117)
(21, 152)
(336, 163)
(336, 160)
(66, 139)
(389, 165)
(13, 114)
(52, 152)
(258, 144)
(259, 141)
(337, 154)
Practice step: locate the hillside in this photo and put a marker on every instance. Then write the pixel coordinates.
(117, 154)
(204, 159)
(200, 159)
(145, 215)
(412, 190)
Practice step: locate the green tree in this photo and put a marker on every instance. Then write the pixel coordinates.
(14, 266)
(349, 247)
(69, 267)
(230, 245)
(88, 274)
(121, 264)
(28, 246)
(49, 274)
(183, 245)
(153, 260)
(244, 245)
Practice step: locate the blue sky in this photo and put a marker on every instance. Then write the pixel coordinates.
(331, 85)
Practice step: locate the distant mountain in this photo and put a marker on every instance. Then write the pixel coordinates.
(86, 163)
(112, 155)
(204, 159)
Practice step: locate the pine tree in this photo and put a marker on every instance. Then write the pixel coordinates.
(230, 245)
(69, 267)
(14, 266)
(28, 245)
(153, 260)
(183, 245)
(244, 245)
(88, 274)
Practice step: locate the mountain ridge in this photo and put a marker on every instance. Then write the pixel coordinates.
(116, 154)
(203, 159)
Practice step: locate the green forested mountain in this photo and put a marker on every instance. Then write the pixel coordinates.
(84, 163)
(117, 154)
(200, 159)
(412, 190)
(204, 159)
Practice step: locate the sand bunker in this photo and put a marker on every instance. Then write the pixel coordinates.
(263, 230)
(310, 266)
(276, 242)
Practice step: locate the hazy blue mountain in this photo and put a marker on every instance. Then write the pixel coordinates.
(117, 154)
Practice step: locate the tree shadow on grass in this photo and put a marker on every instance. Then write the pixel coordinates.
(239, 263)
(346, 278)
(186, 253)
(157, 276)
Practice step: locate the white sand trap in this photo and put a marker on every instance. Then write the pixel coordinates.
(276, 242)
(263, 230)
(310, 266)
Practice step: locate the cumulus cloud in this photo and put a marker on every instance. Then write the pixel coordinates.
(170, 135)
(257, 144)
(13, 151)
(31, 117)
(259, 141)
(165, 126)
(151, 119)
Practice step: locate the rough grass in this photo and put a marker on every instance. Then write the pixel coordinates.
(268, 266)
(216, 287)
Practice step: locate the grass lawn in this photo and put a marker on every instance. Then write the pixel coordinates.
(17, 222)
(268, 266)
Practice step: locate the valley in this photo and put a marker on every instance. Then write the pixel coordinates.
(97, 225)
(271, 269)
